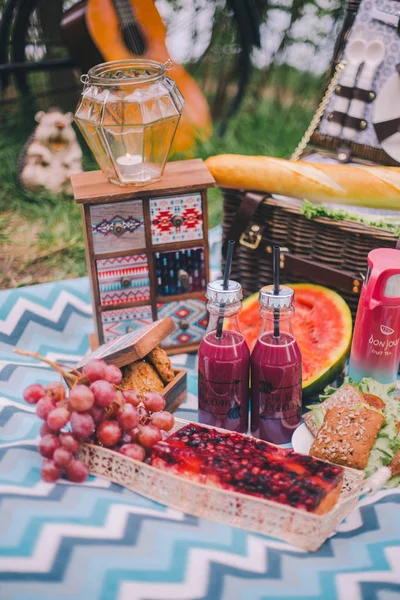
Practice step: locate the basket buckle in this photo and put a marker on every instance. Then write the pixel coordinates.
(254, 238)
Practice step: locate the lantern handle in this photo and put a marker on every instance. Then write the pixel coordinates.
(168, 64)
(84, 78)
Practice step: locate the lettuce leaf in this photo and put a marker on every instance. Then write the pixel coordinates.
(388, 441)
(371, 386)
(318, 414)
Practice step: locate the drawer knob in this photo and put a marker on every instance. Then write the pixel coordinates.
(125, 282)
(177, 220)
(183, 277)
(118, 228)
(128, 329)
(184, 325)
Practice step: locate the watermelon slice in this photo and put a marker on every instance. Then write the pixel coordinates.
(322, 326)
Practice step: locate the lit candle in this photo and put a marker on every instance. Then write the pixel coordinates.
(129, 165)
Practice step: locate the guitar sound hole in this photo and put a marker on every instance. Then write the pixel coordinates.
(134, 39)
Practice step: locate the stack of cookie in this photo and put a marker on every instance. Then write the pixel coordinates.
(150, 374)
(144, 365)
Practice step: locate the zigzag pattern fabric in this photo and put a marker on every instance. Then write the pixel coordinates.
(99, 541)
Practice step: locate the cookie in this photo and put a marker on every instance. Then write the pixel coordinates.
(142, 377)
(162, 364)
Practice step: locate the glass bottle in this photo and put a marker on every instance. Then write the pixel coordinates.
(224, 362)
(275, 370)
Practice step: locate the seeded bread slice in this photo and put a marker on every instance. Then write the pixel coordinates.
(347, 395)
(347, 436)
(395, 464)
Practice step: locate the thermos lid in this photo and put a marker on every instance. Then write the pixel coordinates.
(216, 293)
(268, 298)
(382, 283)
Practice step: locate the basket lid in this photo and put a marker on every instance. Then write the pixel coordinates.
(133, 346)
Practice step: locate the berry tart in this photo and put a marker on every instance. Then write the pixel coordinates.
(239, 463)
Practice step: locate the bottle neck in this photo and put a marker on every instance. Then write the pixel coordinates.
(268, 316)
(218, 311)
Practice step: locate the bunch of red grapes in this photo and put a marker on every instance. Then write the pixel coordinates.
(97, 411)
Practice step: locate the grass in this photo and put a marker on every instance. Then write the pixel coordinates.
(41, 236)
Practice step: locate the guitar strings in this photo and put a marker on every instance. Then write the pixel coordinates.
(131, 31)
(131, 34)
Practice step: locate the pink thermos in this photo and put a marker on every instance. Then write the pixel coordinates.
(375, 350)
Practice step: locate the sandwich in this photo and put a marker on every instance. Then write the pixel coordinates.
(358, 426)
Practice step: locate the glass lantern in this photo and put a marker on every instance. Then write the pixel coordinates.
(128, 114)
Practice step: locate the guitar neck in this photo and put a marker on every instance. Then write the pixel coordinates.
(129, 27)
(124, 12)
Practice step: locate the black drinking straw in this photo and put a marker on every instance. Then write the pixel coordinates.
(275, 266)
(225, 285)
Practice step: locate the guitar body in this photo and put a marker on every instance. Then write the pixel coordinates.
(104, 27)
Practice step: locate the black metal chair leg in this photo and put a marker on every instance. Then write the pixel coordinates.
(5, 27)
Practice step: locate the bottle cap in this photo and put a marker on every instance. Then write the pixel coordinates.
(216, 293)
(268, 299)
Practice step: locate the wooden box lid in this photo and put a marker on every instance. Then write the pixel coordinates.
(133, 346)
(181, 176)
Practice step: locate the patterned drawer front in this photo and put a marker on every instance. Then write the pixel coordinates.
(123, 279)
(190, 317)
(180, 272)
(176, 219)
(118, 226)
(120, 322)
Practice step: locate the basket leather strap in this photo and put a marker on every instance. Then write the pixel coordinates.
(355, 93)
(250, 201)
(346, 120)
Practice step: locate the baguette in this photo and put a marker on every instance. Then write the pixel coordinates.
(374, 187)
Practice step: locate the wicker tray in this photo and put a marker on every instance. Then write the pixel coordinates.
(298, 527)
(339, 247)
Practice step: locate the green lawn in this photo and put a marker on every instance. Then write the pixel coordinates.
(41, 237)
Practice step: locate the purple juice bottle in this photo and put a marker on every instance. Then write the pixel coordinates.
(224, 362)
(276, 370)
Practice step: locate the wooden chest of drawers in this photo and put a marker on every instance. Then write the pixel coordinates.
(147, 252)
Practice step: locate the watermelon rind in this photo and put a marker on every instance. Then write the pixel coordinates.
(328, 372)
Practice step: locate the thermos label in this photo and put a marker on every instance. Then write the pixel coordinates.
(386, 330)
(380, 347)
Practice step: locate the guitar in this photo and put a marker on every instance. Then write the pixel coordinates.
(106, 30)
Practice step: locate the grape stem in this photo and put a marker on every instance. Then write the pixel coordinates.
(70, 376)
(65, 374)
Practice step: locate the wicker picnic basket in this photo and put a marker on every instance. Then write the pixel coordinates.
(319, 250)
